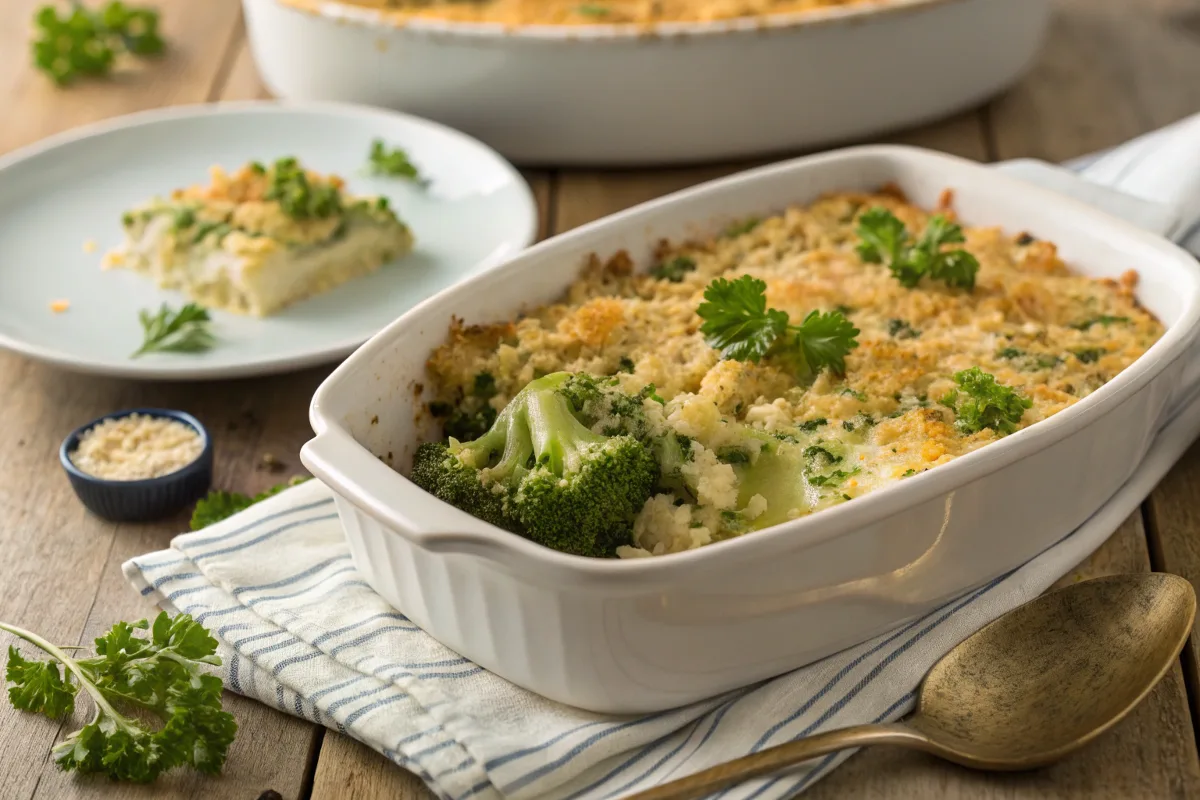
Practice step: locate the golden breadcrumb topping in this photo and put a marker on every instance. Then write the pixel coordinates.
(1051, 335)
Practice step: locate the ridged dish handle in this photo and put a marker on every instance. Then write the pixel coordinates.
(363, 478)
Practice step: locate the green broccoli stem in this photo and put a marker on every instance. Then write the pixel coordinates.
(537, 423)
(509, 436)
(102, 704)
(558, 437)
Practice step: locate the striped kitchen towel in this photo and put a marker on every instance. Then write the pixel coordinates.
(302, 631)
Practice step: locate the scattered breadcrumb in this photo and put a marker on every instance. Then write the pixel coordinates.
(89, 246)
(59, 306)
(270, 463)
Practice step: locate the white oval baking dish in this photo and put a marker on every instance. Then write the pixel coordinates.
(647, 634)
(619, 95)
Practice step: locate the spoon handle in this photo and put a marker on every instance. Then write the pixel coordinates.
(776, 758)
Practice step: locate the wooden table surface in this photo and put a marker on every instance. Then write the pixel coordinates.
(1110, 69)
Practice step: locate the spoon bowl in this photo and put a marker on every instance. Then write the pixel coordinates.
(1022, 692)
(1052, 675)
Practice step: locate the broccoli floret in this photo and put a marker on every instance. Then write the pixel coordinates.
(541, 472)
(440, 472)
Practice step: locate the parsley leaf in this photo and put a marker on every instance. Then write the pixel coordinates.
(484, 385)
(84, 43)
(981, 402)
(1101, 319)
(673, 270)
(163, 675)
(1089, 355)
(219, 505)
(298, 195)
(885, 240)
(883, 236)
(741, 228)
(38, 686)
(738, 323)
(834, 478)
(900, 329)
(394, 162)
(183, 331)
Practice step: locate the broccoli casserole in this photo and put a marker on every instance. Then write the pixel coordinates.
(585, 12)
(784, 366)
(260, 239)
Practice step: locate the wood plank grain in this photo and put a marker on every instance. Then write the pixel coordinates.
(61, 570)
(349, 770)
(1174, 522)
(586, 195)
(65, 576)
(198, 37)
(1151, 753)
(1111, 69)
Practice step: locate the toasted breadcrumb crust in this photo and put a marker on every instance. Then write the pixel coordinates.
(1052, 335)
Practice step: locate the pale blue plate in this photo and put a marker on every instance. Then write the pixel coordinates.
(476, 212)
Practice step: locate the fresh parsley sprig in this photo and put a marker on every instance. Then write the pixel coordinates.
(219, 505)
(184, 331)
(393, 162)
(163, 675)
(81, 42)
(885, 240)
(981, 402)
(738, 323)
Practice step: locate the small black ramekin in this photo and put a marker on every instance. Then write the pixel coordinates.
(143, 500)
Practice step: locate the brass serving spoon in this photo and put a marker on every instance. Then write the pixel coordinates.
(1034, 685)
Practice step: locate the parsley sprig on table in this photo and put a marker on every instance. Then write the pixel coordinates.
(183, 331)
(80, 42)
(885, 240)
(131, 678)
(219, 505)
(738, 323)
(393, 162)
(981, 402)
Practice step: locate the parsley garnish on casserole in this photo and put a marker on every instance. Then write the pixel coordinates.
(803, 361)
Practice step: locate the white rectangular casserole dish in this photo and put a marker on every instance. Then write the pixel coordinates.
(677, 92)
(647, 634)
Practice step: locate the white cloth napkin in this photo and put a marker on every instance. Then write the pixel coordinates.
(301, 630)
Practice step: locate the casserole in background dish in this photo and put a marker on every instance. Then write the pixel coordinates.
(513, 13)
(676, 92)
(647, 634)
